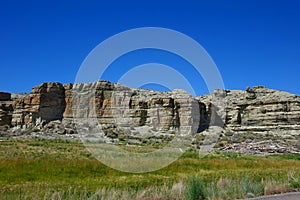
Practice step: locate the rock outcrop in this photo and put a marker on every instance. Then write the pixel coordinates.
(6, 109)
(5, 96)
(252, 116)
(259, 110)
(45, 102)
(113, 105)
(133, 109)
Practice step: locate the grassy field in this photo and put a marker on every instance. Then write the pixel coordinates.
(65, 170)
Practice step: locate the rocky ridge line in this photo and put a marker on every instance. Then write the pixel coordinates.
(268, 119)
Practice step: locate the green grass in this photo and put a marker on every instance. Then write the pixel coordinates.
(66, 170)
(195, 188)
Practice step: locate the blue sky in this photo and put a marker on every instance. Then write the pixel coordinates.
(252, 42)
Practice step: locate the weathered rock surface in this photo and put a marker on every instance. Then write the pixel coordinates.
(114, 107)
(259, 120)
(135, 110)
(5, 109)
(259, 110)
(45, 102)
(129, 114)
(5, 96)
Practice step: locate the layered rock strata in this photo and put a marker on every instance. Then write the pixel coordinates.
(45, 103)
(134, 110)
(109, 105)
(116, 109)
(6, 109)
(258, 110)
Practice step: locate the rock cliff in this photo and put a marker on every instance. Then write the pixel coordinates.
(258, 120)
(111, 104)
(134, 110)
(45, 102)
(6, 109)
(123, 112)
(258, 110)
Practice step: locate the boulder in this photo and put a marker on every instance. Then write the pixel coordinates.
(5, 96)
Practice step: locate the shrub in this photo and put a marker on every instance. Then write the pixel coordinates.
(195, 188)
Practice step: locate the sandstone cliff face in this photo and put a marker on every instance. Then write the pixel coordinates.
(118, 108)
(115, 107)
(259, 110)
(6, 109)
(45, 102)
(258, 120)
(131, 109)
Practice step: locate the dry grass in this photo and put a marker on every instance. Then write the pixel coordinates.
(66, 170)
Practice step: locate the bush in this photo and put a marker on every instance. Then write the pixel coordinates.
(195, 188)
(121, 137)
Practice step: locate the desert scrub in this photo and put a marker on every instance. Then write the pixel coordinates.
(198, 140)
(122, 137)
(195, 189)
(234, 188)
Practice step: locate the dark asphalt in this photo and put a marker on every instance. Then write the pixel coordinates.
(288, 196)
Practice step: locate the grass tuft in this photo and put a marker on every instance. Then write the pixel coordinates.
(195, 189)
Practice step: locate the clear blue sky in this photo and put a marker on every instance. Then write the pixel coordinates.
(253, 42)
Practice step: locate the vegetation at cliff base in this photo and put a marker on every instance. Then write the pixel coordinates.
(56, 169)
